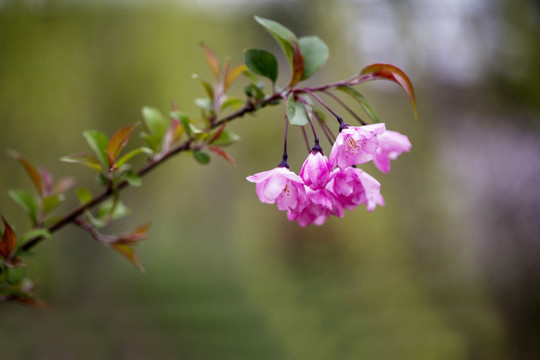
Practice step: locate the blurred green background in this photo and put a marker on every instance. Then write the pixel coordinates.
(449, 269)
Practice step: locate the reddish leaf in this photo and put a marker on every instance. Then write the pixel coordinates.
(63, 185)
(138, 234)
(118, 141)
(297, 65)
(31, 301)
(233, 74)
(212, 60)
(47, 180)
(31, 170)
(393, 73)
(216, 135)
(9, 241)
(222, 153)
(129, 253)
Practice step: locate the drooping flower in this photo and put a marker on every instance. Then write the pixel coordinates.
(355, 145)
(280, 186)
(320, 204)
(354, 187)
(391, 145)
(316, 170)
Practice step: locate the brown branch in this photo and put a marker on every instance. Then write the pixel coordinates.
(250, 107)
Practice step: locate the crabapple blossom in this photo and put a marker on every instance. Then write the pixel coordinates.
(280, 186)
(320, 204)
(391, 145)
(316, 170)
(355, 145)
(354, 187)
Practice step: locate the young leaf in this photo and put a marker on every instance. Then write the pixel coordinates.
(315, 53)
(118, 141)
(283, 36)
(31, 170)
(124, 159)
(50, 203)
(129, 253)
(254, 91)
(233, 102)
(27, 202)
(83, 159)
(233, 74)
(112, 209)
(98, 143)
(138, 234)
(262, 63)
(204, 103)
(157, 126)
(84, 195)
(201, 157)
(368, 107)
(212, 60)
(297, 65)
(8, 245)
(395, 74)
(296, 113)
(225, 138)
(132, 178)
(207, 87)
(225, 155)
(34, 233)
(63, 185)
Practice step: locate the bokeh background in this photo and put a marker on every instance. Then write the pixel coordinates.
(449, 269)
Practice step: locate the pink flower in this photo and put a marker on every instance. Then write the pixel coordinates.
(355, 145)
(391, 145)
(354, 187)
(320, 204)
(280, 186)
(316, 170)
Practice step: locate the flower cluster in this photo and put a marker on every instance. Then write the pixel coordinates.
(328, 186)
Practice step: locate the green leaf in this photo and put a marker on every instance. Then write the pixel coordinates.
(233, 102)
(113, 210)
(124, 159)
(50, 203)
(201, 157)
(184, 120)
(83, 159)
(98, 142)
(262, 62)
(366, 104)
(132, 178)
(154, 121)
(395, 74)
(84, 195)
(296, 113)
(34, 233)
(99, 223)
(204, 103)
(226, 138)
(254, 91)
(27, 202)
(284, 37)
(315, 53)
(207, 87)
(156, 124)
(16, 275)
